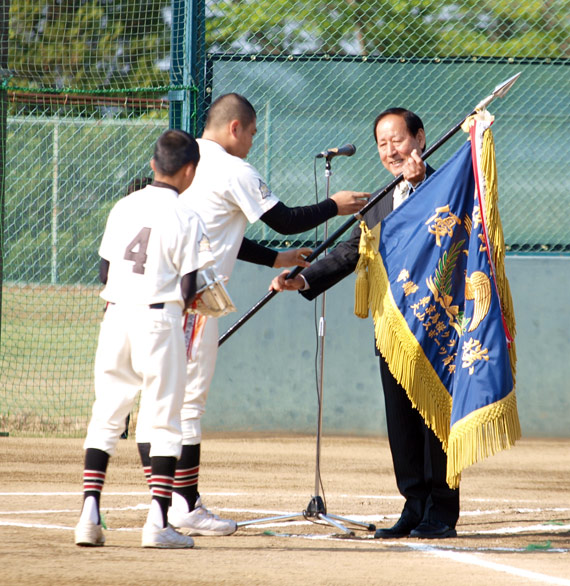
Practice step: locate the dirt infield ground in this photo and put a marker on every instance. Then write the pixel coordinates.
(514, 527)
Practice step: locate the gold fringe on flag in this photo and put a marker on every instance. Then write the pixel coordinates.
(405, 357)
(488, 165)
(481, 434)
(495, 427)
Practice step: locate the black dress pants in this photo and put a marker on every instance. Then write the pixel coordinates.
(419, 460)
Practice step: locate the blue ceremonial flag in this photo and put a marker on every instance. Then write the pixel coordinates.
(441, 304)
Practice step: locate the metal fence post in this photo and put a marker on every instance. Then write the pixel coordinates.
(187, 65)
(4, 24)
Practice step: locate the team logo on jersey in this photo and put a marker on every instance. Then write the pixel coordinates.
(204, 244)
(264, 190)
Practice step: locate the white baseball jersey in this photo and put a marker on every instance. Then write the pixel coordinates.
(151, 240)
(227, 193)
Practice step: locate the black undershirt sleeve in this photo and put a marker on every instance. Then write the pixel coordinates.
(286, 220)
(188, 286)
(256, 253)
(104, 270)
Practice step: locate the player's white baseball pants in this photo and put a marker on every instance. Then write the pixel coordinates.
(199, 374)
(139, 349)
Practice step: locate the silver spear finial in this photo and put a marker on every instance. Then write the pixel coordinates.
(499, 92)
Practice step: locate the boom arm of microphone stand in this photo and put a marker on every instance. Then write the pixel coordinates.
(375, 198)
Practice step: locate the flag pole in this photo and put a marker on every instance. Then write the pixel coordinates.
(499, 92)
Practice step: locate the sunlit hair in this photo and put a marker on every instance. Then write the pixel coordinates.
(230, 107)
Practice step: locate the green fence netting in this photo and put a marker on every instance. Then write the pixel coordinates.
(78, 156)
(88, 85)
(339, 101)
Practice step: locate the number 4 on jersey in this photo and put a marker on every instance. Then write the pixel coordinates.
(138, 256)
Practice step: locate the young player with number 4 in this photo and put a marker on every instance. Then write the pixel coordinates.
(151, 250)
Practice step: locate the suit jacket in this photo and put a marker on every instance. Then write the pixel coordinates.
(342, 260)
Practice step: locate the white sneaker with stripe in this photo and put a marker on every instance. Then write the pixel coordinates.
(200, 521)
(164, 538)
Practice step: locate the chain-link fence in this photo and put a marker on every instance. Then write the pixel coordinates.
(88, 85)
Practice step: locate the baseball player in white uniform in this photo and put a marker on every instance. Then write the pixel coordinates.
(151, 250)
(227, 193)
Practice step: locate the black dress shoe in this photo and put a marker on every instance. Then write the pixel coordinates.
(433, 530)
(402, 528)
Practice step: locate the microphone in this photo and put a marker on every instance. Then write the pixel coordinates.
(347, 150)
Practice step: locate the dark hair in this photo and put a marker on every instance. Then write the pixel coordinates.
(173, 150)
(138, 183)
(230, 107)
(413, 121)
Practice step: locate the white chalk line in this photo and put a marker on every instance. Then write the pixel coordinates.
(78, 493)
(273, 512)
(111, 493)
(77, 510)
(283, 525)
(405, 542)
(34, 525)
(362, 518)
(475, 560)
(477, 512)
(552, 527)
(541, 527)
(61, 527)
(464, 557)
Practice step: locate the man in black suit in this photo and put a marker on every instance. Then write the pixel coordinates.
(431, 509)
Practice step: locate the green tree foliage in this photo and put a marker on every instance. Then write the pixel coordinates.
(407, 28)
(89, 44)
(93, 44)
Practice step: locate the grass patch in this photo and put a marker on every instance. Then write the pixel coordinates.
(49, 338)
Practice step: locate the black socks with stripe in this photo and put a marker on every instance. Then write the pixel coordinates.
(94, 472)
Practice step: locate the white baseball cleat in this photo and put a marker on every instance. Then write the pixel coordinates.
(89, 534)
(201, 521)
(164, 538)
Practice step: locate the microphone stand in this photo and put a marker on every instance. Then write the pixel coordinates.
(316, 509)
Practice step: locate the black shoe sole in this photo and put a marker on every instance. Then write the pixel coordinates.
(390, 535)
(443, 535)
